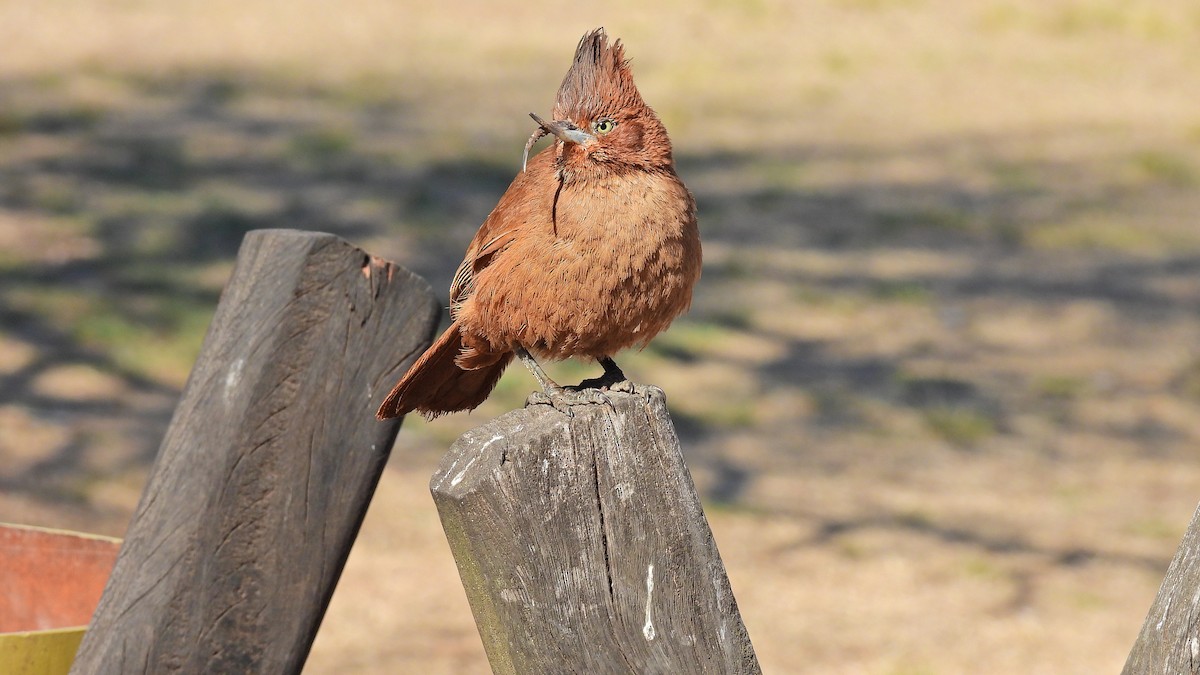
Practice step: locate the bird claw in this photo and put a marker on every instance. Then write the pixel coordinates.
(624, 386)
(565, 398)
(553, 400)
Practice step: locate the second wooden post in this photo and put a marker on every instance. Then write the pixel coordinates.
(583, 547)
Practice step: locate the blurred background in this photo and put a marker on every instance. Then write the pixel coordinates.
(940, 386)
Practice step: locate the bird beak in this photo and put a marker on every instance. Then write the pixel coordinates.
(566, 131)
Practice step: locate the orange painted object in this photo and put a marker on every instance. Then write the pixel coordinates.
(50, 582)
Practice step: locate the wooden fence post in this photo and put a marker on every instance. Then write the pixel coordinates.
(583, 547)
(268, 465)
(1170, 638)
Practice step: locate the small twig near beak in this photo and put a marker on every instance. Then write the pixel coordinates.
(533, 138)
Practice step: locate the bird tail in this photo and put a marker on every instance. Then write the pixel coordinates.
(435, 385)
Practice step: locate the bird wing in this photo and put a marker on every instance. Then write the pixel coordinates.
(479, 255)
(518, 210)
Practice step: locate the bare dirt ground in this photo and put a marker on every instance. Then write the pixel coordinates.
(941, 383)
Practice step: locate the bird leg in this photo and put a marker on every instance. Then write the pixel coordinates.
(548, 385)
(612, 379)
(552, 394)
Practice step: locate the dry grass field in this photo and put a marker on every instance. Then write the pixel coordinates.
(940, 386)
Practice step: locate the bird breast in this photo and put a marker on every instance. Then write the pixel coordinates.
(615, 261)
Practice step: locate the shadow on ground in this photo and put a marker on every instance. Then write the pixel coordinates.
(120, 222)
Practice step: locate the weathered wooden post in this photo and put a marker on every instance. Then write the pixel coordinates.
(583, 547)
(1170, 638)
(267, 467)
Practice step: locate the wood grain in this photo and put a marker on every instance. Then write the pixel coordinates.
(583, 547)
(268, 465)
(1169, 641)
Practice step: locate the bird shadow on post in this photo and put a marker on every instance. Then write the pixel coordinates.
(583, 547)
(268, 465)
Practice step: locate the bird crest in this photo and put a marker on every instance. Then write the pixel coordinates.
(599, 81)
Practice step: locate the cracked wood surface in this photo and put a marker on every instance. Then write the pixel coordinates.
(266, 470)
(582, 544)
(1169, 641)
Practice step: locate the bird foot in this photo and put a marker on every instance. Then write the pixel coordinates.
(563, 398)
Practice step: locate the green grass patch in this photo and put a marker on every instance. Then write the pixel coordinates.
(690, 338)
(371, 90)
(907, 292)
(1155, 528)
(980, 567)
(915, 519)
(851, 550)
(710, 416)
(838, 302)
(1085, 17)
(961, 427)
(513, 388)
(878, 5)
(68, 118)
(1164, 167)
(740, 318)
(222, 90)
(1097, 17)
(321, 148)
(838, 62)
(59, 119)
(1060, 387)
(162, 343)
(1088, 600)
(57, 197)
(735, 413)
(900, 222)
(1099, 232)
(1013, 177)
(999, 17)
(155, 336)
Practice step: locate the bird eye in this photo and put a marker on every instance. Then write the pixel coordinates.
(604, 126)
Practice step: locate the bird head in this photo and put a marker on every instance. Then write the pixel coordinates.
(599, 117)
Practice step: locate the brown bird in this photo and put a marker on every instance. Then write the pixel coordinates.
(592, 249)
